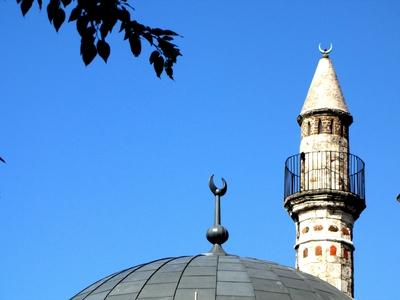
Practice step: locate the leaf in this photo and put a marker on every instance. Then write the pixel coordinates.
(123, 26)
(167, 38)
(59, 19)
(75, 13)
(103, 49)
(88, 50)
(169, 72)
(123, 15)
(136, 45)
(52, 8)
(127, 34)
(153, 56)
(104, 29)
(148, 37)
(157, 31)
(137, 27)
(81, 25)
(26, 6)
(170, 32)
(168, 68)
(159, 65)
(66, 2)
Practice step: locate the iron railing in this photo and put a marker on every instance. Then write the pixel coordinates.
(324, 170)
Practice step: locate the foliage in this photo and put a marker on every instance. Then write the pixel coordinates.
(95, 20)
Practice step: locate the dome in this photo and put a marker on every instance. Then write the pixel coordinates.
(210, 276)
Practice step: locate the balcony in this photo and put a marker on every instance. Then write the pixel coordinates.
(324, 170)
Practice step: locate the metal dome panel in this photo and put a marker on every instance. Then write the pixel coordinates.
(210, 277)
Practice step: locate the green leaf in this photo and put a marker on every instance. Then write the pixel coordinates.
(26, 6)
(136, 45)
(59, 19)
(103, 49)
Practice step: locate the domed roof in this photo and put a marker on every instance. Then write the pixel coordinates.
(211, 276)
(206, 277)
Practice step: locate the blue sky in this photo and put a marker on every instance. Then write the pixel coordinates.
(107, 166)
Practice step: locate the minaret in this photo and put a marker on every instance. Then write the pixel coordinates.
(324, 183)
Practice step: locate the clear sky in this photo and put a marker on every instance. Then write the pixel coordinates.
(107, 166)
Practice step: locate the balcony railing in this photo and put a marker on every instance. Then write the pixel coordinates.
(324, 170)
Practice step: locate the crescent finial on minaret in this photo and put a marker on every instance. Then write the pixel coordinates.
(325, 52)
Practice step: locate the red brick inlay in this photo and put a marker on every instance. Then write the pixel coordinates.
(318, 251)
(333, 228)
(305, 252)
(345, 231)
(333, 250)
(318, 227)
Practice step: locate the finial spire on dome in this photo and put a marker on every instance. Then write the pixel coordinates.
(217, 234)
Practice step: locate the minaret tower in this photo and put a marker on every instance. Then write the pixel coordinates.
(324, 183)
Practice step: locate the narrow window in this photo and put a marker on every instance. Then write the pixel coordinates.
(308, 128)
(332, 126)
(346, 254)
(319, 126)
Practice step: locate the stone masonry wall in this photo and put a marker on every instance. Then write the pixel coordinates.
(324, 247)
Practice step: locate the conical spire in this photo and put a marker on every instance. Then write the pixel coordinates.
(324, 91)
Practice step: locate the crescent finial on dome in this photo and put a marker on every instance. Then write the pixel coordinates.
(217, 234)
(325, 52)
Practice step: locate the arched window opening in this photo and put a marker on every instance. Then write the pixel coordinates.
(333, 250)
(332, 126)
(308, 128)
(318, 251)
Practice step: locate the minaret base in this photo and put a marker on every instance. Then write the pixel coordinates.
(324, 225)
